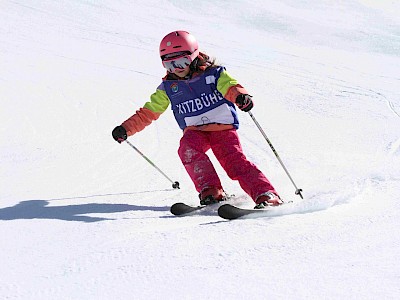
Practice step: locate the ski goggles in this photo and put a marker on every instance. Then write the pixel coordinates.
(180, 62)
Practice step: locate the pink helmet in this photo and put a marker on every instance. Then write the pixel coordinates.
(179, 41)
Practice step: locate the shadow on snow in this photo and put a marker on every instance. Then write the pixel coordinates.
(39, 209)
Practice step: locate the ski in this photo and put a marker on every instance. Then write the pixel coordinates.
(231, 212)
(180, 209)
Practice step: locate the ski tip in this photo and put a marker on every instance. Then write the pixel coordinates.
(231, 212)
(224, 211)
(180, 208)
(175, 208)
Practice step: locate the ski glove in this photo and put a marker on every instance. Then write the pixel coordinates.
(244, 102)
(119, 134)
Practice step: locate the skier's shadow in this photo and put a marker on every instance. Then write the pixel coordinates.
(39, 209)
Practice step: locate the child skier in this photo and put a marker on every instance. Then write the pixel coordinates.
(202, 95)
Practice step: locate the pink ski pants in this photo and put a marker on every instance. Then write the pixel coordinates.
(228, 151)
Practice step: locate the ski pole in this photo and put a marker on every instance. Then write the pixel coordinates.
(298, 191)
(175, 184)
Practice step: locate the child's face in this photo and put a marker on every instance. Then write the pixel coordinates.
(182, 72)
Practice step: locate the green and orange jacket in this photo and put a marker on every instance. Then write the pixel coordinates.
(220, 86)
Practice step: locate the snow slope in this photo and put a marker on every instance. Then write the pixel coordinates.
(82, 217)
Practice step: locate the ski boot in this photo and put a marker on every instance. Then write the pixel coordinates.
(211, 195)
(267, 199)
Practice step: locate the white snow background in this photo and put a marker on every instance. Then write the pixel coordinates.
(82, 217)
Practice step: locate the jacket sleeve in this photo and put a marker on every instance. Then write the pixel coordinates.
(229, 87)
(150, 112)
